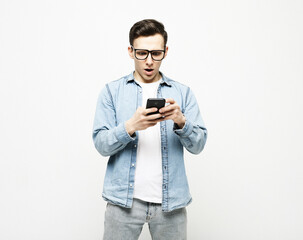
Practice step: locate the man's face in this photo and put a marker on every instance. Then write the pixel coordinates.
(147, 70)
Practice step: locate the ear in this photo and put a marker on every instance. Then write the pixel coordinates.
(130, 52)
(166, 50)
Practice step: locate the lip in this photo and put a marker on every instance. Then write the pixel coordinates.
(149, 73)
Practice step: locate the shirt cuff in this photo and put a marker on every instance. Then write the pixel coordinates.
(185, 131)
(122, 135)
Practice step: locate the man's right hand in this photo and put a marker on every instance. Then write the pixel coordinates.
(141, 121)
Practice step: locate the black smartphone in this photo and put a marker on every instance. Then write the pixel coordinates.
(155, 102)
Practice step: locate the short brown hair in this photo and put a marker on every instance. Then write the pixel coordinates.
(147, 27)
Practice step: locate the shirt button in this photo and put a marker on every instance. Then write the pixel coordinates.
(131, 185)
(133, 164)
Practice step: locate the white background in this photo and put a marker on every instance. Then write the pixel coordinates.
(243, 60)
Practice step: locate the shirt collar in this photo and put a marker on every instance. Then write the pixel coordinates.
(165, 80)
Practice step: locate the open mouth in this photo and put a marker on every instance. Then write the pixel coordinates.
(149, 71)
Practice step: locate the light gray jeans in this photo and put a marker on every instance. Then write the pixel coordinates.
(127, 223)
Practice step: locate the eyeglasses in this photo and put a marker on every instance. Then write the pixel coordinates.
(142, 54)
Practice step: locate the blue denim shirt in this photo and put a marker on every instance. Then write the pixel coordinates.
(117, 103)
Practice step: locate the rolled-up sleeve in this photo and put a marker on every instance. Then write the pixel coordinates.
(194, 133)
(109, 138)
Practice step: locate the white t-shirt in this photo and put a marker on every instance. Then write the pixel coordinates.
(148, 176)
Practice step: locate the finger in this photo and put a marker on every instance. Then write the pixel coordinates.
(170, 100)
(154, 122)
(150, 110)
(154, 116)
(168, 116)
(167, 109)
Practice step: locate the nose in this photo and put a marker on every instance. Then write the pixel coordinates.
(149, 59)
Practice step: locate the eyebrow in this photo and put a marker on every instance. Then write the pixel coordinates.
(147, 49)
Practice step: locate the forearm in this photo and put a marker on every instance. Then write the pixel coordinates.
(192, 137)
(110, 141)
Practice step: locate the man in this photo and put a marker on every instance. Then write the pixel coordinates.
(145, 179)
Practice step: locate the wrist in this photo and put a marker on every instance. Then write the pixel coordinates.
(181, 123)
(129, 129)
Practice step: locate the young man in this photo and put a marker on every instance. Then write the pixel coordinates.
(145, 179)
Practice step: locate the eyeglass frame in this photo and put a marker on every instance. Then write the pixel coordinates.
(148, 52)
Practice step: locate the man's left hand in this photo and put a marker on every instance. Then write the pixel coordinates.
(173, 112)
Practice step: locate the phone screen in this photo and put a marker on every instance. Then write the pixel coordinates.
(155, 102)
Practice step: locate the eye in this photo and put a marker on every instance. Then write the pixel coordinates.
(141, 53)
(156, 53)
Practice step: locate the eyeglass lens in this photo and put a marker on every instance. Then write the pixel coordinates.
(143, 54)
